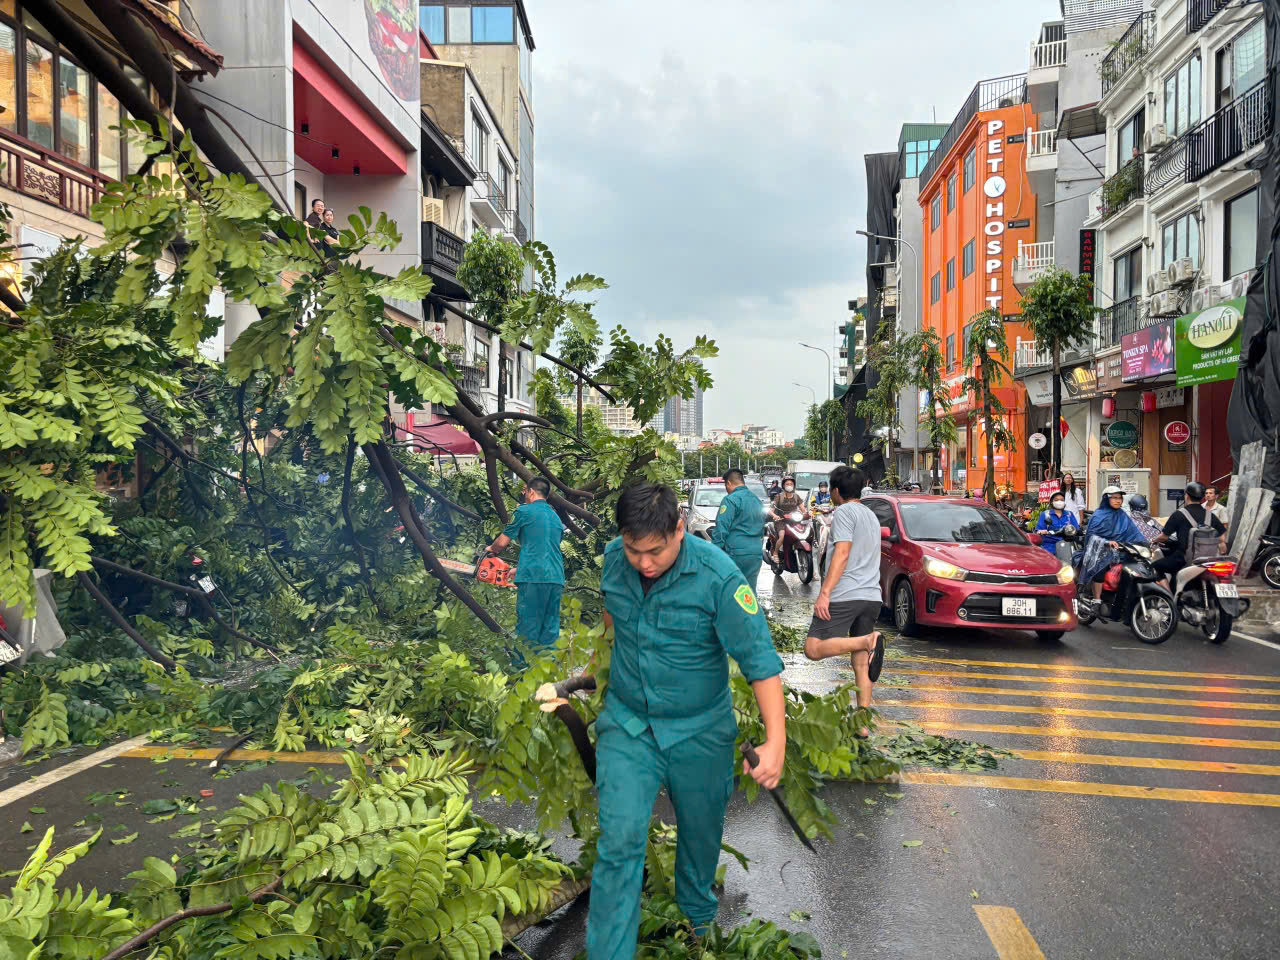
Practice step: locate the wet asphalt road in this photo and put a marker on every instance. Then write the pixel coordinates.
(1139, 819)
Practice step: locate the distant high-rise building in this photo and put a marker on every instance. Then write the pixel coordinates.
(691, 415)
(671, 415)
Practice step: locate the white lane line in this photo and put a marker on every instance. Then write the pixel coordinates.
(13, 794)
(1265, 643)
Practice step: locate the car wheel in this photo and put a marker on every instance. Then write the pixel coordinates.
(804, 566)
(1050, 636)
(904, 609)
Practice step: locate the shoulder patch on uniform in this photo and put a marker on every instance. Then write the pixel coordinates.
(746, 599)
(724, 507)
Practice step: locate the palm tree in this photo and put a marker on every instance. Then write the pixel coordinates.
(890, 357)
(926, 346)
(986, 357)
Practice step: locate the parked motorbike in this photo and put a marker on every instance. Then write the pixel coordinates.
(1268, 562)
(1207, 597)
(1130, 595)
(822, 534)
(796, 553)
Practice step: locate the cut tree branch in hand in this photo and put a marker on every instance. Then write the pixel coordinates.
(390, 474)
(118, 619)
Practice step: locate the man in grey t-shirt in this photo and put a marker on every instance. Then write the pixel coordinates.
(845, 613)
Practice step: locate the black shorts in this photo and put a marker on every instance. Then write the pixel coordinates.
(849, 618)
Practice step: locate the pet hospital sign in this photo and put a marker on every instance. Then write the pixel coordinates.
(994, 189)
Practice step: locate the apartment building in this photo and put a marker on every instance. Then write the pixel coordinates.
(1186, 106)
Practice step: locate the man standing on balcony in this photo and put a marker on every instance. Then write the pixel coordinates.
(540, 572)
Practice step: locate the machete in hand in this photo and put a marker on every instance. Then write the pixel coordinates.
(753, 759)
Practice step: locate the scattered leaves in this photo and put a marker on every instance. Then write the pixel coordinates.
(118, 841)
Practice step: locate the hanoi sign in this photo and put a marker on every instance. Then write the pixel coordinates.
(1208, 343)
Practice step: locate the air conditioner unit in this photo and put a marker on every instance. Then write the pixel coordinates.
(1171, 274)
(1226, 291)
(433, 210)
(1155, 138)
(1185, 269)
(1239, 285)
(1202, 298)
(1155, 283)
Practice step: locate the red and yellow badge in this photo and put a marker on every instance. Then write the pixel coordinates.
(746, 599)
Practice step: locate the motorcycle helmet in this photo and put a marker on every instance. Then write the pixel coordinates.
(1111, 490)
(1138, 502)
(1195, 490)
(789, 479)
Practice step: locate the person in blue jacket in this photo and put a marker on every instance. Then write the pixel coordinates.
(1053, 520)
(739, 528)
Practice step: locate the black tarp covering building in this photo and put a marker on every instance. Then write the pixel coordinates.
(1254, 413)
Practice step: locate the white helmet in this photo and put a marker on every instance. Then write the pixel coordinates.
(1111, 489)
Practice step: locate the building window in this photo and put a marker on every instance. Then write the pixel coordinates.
(110, 142)
(508, 377)
(1241, 232)
(964, 343)
(1182, 98)
(493, 25)
(951, 274)
(970, 257)
(431, 20)
(970, 169)
(935, 288)
(1241, 64)
(481, 353)
(1127, 275)
(1129, 138)
(8, 76)
(951, 193)
(459, 24)
(479, 142)
(935, 213)
(39, 104)
(74, 103)
(299, 200)
(504, 182)
(951, 350)
(1180, 238)
(917, 154)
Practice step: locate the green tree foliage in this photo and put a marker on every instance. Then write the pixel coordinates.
(930, 366)
(986, 354)
(892, 358)
(1058, 307)
(491, 270)
(647, 376)
(825, 420)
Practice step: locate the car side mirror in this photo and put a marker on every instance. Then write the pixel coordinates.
(1036, 539)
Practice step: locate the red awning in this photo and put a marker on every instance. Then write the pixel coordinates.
(442, 436)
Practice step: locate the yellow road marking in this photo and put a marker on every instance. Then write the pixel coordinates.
(1131, 791)
(1079, 712)
(1101, 697)
(1068, 667)
(1149, 763)
(1085, 682)
(236, 756)
(1008, 934)
(1073, 733)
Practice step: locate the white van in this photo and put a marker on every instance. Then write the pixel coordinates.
(809, 473)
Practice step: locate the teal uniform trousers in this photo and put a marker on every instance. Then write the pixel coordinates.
(538, 614)
(539, 574)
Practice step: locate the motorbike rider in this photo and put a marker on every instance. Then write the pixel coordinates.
(774, 488)
(1173, 539)
(1109, 527)
(1053, 520)
(1140, 509)
(823, 495)
(784, 503)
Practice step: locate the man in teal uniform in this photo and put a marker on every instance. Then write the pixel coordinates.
(679, 609)
(540, 572)
(739, 528)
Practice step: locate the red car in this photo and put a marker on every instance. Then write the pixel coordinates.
(952, 562)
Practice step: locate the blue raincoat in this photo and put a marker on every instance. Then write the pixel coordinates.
(1050, 523)
(1105, 524)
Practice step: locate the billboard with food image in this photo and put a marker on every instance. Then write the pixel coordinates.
(393, 38)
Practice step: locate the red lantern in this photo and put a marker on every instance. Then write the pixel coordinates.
(1148, 402)
(1062, 425)
(1108, 407)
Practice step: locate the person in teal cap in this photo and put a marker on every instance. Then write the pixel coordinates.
(539, 575)
(679, 608)
(739, 528)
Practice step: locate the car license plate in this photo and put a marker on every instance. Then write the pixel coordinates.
(8, 653)
(1018, 606)
(1227, 590)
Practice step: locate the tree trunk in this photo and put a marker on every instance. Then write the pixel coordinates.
(990, 482)
(1055, 432)
(579, 408)
(502, 380)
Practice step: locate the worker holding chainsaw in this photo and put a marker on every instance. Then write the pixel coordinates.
(740, 526)
(539, 575)
(679, 608)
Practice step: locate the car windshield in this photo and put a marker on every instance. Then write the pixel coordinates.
(756, 487)
(709, 497)
(810, 481)
(957, 523)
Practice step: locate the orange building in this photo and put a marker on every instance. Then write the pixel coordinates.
(977, 203)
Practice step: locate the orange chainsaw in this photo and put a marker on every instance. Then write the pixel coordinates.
(487, 569)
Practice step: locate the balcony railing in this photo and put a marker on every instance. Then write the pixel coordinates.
(987, 95)
(1042, 143)
(29, 169)
(1168, 165)
(488, 187)
(1028, 355)
(440, 248)
(1046, 55)
(1130, 49)
(1121, 189)
(1034, 256)
(1127, 316)
(1200, 12)
(1243, 123)
(522, 232)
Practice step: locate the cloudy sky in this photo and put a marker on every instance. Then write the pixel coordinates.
(706, 158)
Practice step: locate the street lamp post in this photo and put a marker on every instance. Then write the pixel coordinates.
(830, 387)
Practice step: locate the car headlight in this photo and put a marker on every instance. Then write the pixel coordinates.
(1066, 574)
(940, 568)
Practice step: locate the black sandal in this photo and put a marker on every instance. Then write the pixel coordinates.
(876, 663)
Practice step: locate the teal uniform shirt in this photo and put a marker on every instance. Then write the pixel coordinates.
(670, 666)
(538, 530)
(740, 524)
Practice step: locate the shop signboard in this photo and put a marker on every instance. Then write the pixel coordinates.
(1110, 373)
(1209, 343)
(1122, 435)
(1079, 383)
(1170, 397)
(1040, 389)
(1177, 432)
(1037, 441)
(1048, 489)
(1148, 353)
(1088, 252)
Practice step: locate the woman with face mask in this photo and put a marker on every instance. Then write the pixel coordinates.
(1053, 520)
